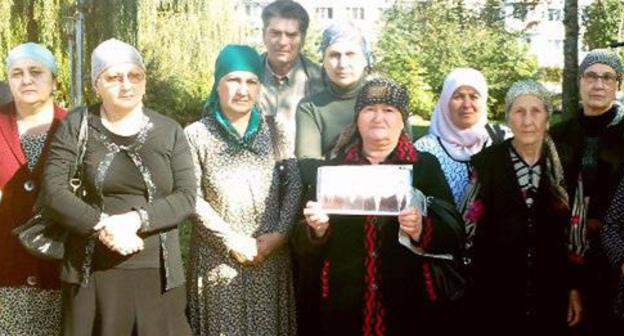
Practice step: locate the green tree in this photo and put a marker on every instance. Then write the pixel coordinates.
(36, 21)
(604, 23)
(493, 13)
(422, 42)
(181, 76)
(179, 39)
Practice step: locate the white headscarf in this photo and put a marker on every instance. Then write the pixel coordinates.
(461, 144)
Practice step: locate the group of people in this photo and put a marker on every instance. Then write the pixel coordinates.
(527, 220)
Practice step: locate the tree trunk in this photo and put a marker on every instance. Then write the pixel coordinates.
(570, 90)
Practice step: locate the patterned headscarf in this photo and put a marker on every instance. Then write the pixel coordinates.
(32, 51)
(528, 87)
(346, 32)
(461, 144)
(232, 58)
(378, 90)
(602, 56)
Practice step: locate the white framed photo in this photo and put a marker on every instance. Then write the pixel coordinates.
(364, 190)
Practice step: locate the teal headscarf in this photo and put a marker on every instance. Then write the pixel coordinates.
(235, 58)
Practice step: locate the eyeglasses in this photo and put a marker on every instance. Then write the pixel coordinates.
(118, 78)
(592, 77)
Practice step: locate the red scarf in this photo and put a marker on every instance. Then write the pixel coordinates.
(374, 311)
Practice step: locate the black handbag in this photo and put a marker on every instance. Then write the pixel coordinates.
(40, 235)
(448, 277)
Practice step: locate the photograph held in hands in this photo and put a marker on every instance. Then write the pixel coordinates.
(364, 190)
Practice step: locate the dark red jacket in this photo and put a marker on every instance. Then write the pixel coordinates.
(19, 188)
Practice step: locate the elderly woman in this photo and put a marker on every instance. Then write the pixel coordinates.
(122, 272)
(322, 117)
(459, 128)
(249, 193)
(29, 295)
(370, 283)
(522, 275)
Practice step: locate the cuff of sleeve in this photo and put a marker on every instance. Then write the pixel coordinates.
(312, 236)
(101, 216)
(145, 222)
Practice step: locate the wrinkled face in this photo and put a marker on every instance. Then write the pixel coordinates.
(598, 86)
(238, 92)
(344, 63)
(465, 107)
(380, 122)
(283, 40)
(528, 120)
(30, 82)
(121, 87)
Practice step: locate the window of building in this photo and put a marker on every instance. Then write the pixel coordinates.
(324, 12)
(554, 14)
(355, 13)
(520, 11)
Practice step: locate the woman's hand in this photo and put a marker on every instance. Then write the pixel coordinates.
(410, 222)
(267, 244)
(316, 219)
(119, 233)
(575, 308)
(240, 258)
(242, 249)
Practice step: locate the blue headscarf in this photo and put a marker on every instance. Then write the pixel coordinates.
(234, 58)
(346, 32)
(35, 52)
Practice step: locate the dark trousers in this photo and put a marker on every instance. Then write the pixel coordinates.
(124, 302)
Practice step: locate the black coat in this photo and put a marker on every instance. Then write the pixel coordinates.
(570, 137)
(521, 280)
(400, 279)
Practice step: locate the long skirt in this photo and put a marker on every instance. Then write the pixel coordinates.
(30, 311)
(124, 302)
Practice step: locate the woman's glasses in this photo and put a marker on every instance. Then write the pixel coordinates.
(134, 77)
(592, 77)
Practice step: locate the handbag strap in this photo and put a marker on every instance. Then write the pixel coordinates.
(75, 180)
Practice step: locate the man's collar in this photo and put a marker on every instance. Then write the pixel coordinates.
(283, 79)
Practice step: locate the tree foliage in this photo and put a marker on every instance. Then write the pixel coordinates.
(604, 23)
(37, 21)
(422, 42)
(179, 40)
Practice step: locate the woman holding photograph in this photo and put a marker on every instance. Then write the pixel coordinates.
(370, 283)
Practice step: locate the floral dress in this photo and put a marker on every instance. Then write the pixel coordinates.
(246, 189)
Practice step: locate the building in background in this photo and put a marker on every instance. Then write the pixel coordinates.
(544, 29)
(364, 14)
(542, 25)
